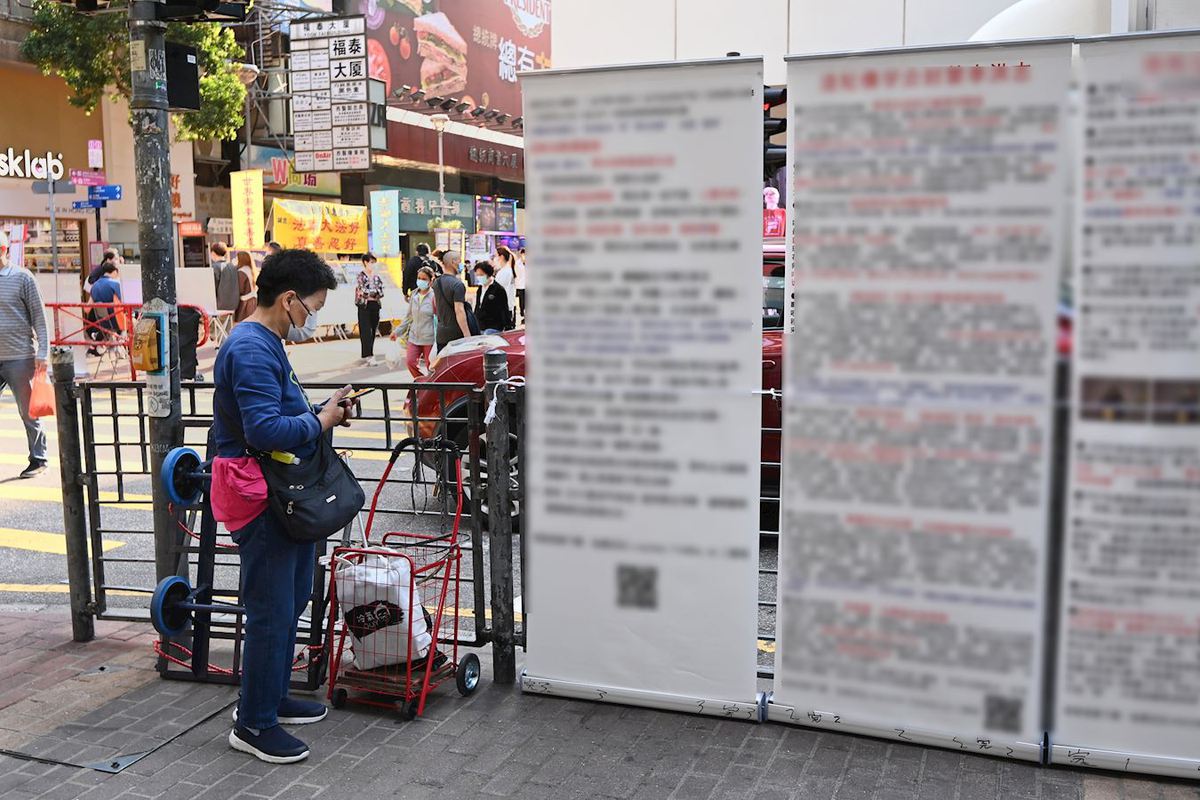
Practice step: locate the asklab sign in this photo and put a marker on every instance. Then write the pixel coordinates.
(25, 164)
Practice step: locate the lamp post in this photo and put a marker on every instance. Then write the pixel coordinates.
(439, 124)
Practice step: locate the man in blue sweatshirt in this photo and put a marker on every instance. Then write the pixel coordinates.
(23, 346)
(260, 406)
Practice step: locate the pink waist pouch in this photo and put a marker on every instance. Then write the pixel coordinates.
(239, 491)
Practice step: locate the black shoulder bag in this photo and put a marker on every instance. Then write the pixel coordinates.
(313, 499)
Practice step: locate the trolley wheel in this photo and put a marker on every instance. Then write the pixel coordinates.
(467, 674)
(165, 614)
(340, 696)
(407, 709)
(183, 488)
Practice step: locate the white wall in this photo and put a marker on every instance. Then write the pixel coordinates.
(118, 166)
(1170, 14)
(937, 21)
(813, 27)
(589, 33)
(759, 27)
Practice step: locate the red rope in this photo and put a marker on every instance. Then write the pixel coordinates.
(193, 534)
(180, 662)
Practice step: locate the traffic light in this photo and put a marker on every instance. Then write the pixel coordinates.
(774, 155)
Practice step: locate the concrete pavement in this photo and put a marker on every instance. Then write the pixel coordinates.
(96, 702)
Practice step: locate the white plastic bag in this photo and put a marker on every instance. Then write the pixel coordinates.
(373, 597)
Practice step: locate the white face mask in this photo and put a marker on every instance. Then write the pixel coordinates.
(303, 334)
(306, 332)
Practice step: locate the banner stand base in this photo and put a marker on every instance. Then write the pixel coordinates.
(1072, 756)
(983, 744)
(748, 710)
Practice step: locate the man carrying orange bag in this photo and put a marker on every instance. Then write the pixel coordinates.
(24, 346)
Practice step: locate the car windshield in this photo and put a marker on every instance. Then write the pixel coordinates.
(773, 299)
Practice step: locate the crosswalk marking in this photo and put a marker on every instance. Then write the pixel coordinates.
(52, 494)
(40, 542)
(58, 588)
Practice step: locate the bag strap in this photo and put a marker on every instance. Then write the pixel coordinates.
(235, 425)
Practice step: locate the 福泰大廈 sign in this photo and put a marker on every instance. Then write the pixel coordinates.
(330, 117)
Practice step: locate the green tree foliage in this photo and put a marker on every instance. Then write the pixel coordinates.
(91, 53)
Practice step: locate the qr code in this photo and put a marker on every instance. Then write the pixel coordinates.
(1002, 713)
(637, 587)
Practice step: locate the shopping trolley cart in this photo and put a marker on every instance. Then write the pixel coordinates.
(390, 601)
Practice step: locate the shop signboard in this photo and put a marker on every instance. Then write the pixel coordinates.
(329, 95)
(465, 49)
(419, 207)
(280, 175)
(220, 226)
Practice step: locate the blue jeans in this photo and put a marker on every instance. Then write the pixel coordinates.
(17, 375)
(277, 579)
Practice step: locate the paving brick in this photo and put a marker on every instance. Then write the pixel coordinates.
(508, 780)
(695, 787)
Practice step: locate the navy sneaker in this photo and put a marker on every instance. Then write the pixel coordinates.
(273, 745)
(296, 712)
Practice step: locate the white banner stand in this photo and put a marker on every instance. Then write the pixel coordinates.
(642, 530)
(910, 591)
(1129, 642)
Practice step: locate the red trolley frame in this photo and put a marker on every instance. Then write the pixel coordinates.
(434, 562)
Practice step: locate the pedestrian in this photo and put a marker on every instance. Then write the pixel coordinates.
(368, 296)
(225, 278)
(245, 284)
(418, 325)
(520, 284)
(105, 292)
(111, 256)
(273, 248)
(24, 346)
(491, 303)
(259, 406)
(94, 332)
(450, 303)
(503, 264)
(409, 278)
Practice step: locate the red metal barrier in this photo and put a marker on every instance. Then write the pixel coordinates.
(84, 329)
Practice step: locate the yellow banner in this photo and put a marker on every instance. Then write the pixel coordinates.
(247, 190)
(321, 227)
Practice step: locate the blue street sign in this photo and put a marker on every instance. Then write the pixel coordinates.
(79, 205)
(110, 191)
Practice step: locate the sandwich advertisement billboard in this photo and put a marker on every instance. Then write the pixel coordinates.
(467, 49)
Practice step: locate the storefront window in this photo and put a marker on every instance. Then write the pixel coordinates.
(39, 248)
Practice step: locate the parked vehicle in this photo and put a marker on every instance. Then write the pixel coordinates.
(465, 365)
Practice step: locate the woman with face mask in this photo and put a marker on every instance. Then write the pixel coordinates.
(418, 325)
(259, 406)
(368, 297)
(503, 264)
(491, 301)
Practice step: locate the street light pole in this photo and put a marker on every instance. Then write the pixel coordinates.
(152, 165)
(439, 124)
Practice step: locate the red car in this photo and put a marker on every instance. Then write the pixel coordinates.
(464, 364)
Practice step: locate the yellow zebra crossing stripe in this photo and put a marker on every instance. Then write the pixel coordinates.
(40, 542)
(52, 494)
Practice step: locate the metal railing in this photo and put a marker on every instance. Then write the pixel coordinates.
(111, 475)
